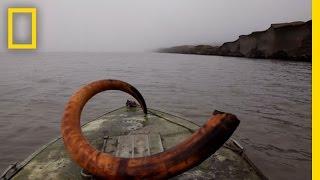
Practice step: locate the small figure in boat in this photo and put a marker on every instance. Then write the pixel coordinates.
(130, 103)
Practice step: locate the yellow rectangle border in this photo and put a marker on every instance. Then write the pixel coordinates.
(33, 12)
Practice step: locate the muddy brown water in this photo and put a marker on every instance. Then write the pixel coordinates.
(272, 99)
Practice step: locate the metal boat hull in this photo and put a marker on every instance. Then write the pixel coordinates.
(127, 132)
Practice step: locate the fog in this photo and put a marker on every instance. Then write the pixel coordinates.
(144, 25)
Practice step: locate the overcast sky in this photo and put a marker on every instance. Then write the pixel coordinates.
(142, 25)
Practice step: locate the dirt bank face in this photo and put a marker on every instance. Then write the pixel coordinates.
(281, 41)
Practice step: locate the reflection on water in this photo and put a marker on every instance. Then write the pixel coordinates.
(271, 98)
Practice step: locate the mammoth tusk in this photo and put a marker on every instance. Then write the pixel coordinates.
(191, 152)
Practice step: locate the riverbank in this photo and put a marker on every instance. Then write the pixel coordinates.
(287, 41)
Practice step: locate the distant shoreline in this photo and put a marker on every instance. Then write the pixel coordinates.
(286, 41)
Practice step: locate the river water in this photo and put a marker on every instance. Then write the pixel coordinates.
(272, 99)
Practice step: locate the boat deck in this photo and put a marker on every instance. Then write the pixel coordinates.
(126, 132)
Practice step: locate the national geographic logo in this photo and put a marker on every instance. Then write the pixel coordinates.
(13, 43)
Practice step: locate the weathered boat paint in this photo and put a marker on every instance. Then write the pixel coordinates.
(53, 162)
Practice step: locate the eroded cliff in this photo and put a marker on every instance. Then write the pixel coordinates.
(281, 41)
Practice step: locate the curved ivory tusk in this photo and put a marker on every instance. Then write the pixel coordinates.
(191, 152)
